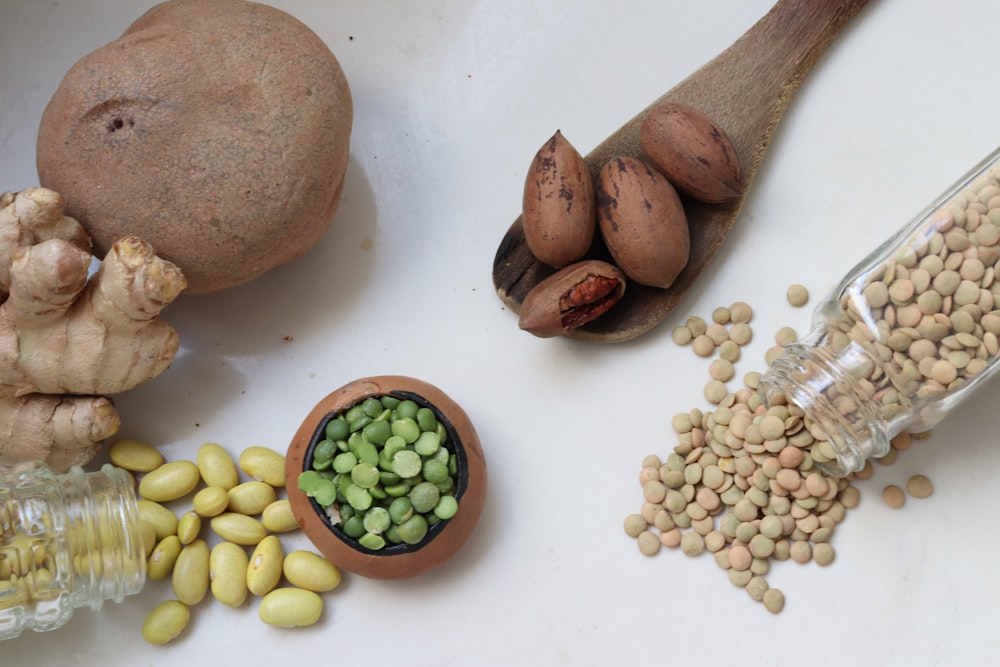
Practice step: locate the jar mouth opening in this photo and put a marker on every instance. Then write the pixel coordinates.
(461, 480)
(802, 375)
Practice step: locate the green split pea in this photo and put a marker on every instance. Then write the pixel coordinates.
(383, 472)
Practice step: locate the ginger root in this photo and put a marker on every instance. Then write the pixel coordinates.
(68, 338)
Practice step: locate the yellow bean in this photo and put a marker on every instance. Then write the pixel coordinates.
(164, 521)
(40, 585)
(170, 481)
(290, 607)
(228, 573)
(264, 465)
(148, 537)
(311, 571)
(211, 501)
(264, 570)
(165, 621)
(134, 455)
(161, 561)
(189, 527)
(19, 546)
(251, 497)
(217, 466)
(238, 528)
(190, 575)
(278, 517)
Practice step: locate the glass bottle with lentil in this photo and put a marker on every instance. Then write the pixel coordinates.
(66, 541)
(906, 335)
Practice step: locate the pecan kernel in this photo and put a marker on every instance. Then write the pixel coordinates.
(571, 297)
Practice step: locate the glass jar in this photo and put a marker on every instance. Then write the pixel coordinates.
(906, 335)
(66, 541)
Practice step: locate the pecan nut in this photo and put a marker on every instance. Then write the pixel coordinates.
(692, 151)
(642, 222)
(559, 213)
(571, 297)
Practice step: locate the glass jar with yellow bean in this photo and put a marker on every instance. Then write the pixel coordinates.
(906, 335)
(66, 541)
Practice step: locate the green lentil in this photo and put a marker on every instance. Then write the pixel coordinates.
(757, 587)
(740, 312)
(741, 333)
(823, 553)
(785, 336)
(692, 544)
(717, 333)
(696, 325)
(681, 335)
(721, 370)
(703, 346)
(721, 315)
(919, 486)
(715, 391)
(797, 295)
(730, 351)
(774, 600)
(649, 544)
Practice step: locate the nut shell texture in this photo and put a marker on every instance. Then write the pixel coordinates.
(559, 212)
(692, 151)
(216, 131)
(396, 561)
(571, 297)
(642, 221)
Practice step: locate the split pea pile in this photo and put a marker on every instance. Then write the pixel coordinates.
(238, 501)
(383, 473)
(742, 483)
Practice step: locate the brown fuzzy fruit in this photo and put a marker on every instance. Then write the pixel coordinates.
(642, 221)
(692, 151)
(216, 131)
(559, 209)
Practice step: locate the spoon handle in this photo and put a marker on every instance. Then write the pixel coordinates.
(753, 80)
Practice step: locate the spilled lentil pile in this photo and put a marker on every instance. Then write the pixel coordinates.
(742, 481)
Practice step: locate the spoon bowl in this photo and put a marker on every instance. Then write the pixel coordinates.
(745, 90)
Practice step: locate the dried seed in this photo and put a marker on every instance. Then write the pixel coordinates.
(797, 295)
(559, 207)
(893, 496)
(571, 297)
(919, 486)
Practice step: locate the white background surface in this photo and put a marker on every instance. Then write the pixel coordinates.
(452, 98)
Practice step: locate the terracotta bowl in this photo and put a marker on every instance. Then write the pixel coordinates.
(443, 540)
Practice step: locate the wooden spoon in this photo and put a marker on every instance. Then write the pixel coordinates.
(745, 90)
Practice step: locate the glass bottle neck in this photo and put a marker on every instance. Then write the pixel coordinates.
(827, 381)
(102, 534)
